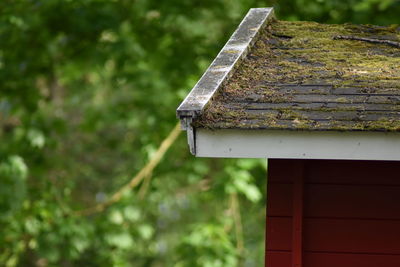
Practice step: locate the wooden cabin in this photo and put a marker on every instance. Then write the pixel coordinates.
(322, 104)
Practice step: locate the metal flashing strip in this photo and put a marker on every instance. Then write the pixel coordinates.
(222, 67)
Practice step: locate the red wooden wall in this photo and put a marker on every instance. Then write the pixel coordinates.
(330, 213)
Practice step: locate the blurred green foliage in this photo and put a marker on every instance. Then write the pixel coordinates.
(88, 90)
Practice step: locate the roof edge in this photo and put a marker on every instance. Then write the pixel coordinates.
(224, 64)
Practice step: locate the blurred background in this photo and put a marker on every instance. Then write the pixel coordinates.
(88, 92)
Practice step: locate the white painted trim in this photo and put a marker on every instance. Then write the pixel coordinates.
(297, 144)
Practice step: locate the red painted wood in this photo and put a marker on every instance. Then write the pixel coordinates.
(350, 236)
(280, 199)
(351, 213)
(353, 172)
(281, 171)
(279, 233)
(279, 259)
(359, 236)
(297, 222)
(265, 231)
(354, 201)
(283, 259)
(348, 260)
(337, 201)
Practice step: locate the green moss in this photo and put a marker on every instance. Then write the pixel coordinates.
(342, 100)
(384, 124)
(299, 53)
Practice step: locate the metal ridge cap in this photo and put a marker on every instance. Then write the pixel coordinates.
(224, 64)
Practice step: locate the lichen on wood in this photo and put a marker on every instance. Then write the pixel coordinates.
(297, 68)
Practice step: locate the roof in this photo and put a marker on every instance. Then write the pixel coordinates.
(310, 76)
(224, 64)
(289, 76)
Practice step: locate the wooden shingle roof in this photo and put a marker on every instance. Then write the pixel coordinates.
(281, 89)
(311, 76)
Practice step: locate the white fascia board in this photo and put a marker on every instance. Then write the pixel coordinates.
(234, 143)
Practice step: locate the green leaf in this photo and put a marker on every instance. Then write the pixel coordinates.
(116, 217)
(121, 240)
(131, 213)
(145, 231)
(36, 138)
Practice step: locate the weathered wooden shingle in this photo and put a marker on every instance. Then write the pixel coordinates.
(310, 76)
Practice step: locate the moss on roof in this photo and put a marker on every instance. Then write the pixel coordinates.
(299, 76)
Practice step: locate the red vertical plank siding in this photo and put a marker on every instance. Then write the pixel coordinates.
(297, 222)
(334, 213)
(279, 210)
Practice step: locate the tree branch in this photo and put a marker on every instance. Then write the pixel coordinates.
(135, 181)
(238, 222)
